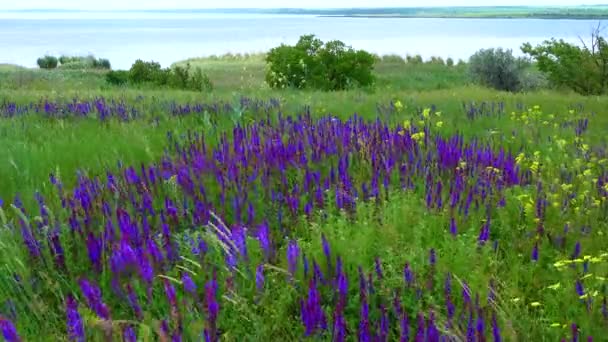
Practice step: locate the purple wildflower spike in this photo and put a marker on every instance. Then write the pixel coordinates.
(496, 329)
(170, 293)
(128, 334)
(259, 277)
(453, 228)
(189, 285)
(408, 275)
(535, 253)
(378, 268)
(293, 252)
(75, 324)
(432, 257)
(363, 332)
(9, 332)
(405, 328)
(92, 294)
(264, 238)
(326, 251)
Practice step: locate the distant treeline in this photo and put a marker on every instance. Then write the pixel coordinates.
(573, 12)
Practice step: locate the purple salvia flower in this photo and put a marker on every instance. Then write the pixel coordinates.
(480, 327)
(453, 228)
(574, 328)
(405, 328)
(264, 238)
(420, 332)
(408, 275)
(580, 290)
(378, 268)
(535, 253)
(470, 328)
(362, 284)
(293, 252)
(92, 295)
(94, 251)
(484, 234)
(318, 274)
(134, 302)
(432, 257)
(9, 332)
(577, 250)
(189, 285)
(305, 265)
(128, 334)
(259, 277)
(75, 325)
(496, 329)
(339, 330)
(326, 251)
(170, 293)
(363, 333)
(384, 325)
(213, 306)
(432, 334)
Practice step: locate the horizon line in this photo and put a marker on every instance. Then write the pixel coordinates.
(286, 8)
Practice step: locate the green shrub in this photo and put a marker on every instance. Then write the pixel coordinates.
(532, 79)
(117, 77)
(582, 69)
(449, 62)
(436, 60)
(84, 62)
(47, 62)
(102, 63)
(178, 77)
(147, 72)
(417, 59)
(200, 81)
(317, 65)
(395, 59)
(498, 69)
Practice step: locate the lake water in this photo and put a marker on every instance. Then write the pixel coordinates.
(172, 37)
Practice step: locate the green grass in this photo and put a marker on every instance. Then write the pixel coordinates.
(396, 231)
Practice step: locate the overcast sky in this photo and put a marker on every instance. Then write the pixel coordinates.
(156, 4)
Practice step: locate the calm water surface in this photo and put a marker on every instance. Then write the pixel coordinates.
(169, 38)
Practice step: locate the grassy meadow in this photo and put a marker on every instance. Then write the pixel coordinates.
(426, 209)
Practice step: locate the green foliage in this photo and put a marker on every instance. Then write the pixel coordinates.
(417, 59)
(582, 69)
(178, 77)
(498, 69)
(314, 64)
(84, 62)
(146, 72)
(47, 62)
(117, 77)
(449, 62)
(436, 60)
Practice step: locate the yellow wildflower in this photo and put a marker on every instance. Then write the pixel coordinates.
(407, 124)
(426, 112)
(439, 124)
(398, 105)
(555, 286)
(520, 158)
(438, 113)
(555, 325)
(535, 304)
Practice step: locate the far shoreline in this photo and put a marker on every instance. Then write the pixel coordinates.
(399, 16)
